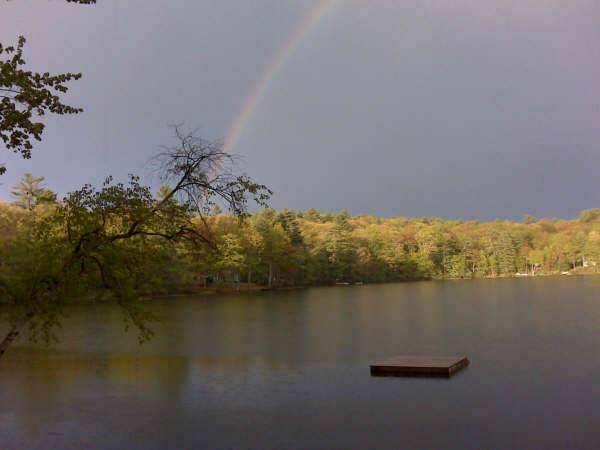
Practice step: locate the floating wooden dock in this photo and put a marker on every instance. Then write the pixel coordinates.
(444, 366)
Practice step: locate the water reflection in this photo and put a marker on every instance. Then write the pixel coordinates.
(252, 370)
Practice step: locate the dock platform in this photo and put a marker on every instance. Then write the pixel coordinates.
(441, 366)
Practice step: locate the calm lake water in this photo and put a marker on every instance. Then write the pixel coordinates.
(290, 370)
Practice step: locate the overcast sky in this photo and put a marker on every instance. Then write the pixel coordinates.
(451, 108)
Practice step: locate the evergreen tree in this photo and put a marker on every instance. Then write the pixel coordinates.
(290, 225)
(482, 264)
(506, 254)
(341, 249)
(30, 191)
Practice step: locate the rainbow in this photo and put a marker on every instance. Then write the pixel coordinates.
(312, 18)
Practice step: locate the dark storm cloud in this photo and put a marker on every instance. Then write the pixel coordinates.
(458, 109)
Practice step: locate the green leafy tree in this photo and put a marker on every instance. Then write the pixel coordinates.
(252, 243)
(590, 215)
(98, 244)
(457, 266)
(429, 240)
(535, 260)
(313, 215)
(231, 255)
(592, 249)
(341, 249)
(482, 265)
(276, 250)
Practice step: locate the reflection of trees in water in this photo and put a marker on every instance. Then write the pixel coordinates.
(206, 344)
(44, 387)
(254, 330)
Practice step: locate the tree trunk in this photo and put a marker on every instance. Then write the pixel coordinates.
(249, 276)
(13, 334)
(270, 275)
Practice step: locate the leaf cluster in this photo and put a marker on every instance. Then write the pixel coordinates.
(25, 96)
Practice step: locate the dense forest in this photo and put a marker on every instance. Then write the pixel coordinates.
(293, 248)
(284, 248)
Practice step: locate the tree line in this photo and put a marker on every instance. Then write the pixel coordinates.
(295, 248)
(287, 248)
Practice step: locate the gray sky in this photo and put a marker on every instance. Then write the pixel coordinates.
(453, 108)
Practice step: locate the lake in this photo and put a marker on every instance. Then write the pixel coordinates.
(290, 370)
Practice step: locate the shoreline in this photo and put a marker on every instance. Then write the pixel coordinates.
(244, 288)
